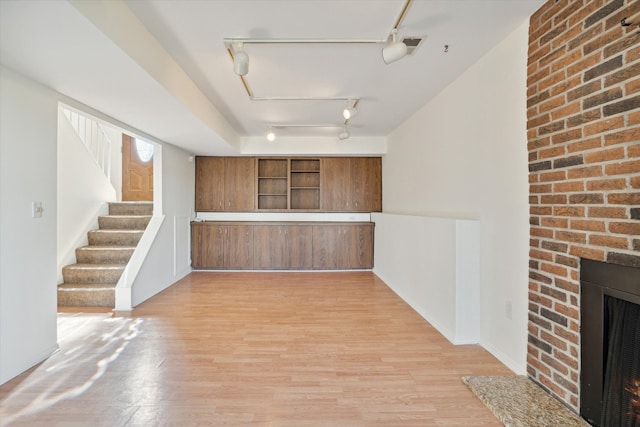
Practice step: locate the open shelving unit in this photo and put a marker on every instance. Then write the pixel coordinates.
(288, 184)
(305, 184)
(273, 184)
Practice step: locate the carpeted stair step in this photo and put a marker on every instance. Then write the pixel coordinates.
(92, 273)
(104, 254)
(131, 208)
(114, 237)
(86, 295)
(92, 281)
(124, 222)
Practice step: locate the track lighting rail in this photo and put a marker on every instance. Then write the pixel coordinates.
(391, 53)
(231, 41)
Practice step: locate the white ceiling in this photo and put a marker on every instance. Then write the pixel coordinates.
(102, 55)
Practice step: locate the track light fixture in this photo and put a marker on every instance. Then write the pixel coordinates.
(271, 136)
(395, 51)
(350, 112)
(241, 62)
(344, 134)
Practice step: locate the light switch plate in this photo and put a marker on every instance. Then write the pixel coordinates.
(36, 210)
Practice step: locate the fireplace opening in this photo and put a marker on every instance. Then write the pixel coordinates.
(621, 393)
(609, 344)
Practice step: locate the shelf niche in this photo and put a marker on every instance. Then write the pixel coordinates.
(305, 184)
(273, 184)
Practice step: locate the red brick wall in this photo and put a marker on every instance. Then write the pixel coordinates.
(583, 110)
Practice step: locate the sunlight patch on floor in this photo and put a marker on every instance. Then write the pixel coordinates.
(77, 366)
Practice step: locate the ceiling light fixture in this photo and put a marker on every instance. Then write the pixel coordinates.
(350, 112)
(271, 136)
(344, 134)
(241, 62)
(395, 51)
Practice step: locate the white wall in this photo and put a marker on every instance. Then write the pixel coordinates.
(168, 260)
(83, 191)
(464, 155)
(433, 264)
(28, 120)
(314, 146)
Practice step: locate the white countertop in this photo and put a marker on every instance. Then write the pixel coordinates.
(284, 216)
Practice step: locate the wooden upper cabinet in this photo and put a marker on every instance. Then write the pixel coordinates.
(239, 183)
(335, 184)
(225, 184)
(366, 184)
(247, 184)
(352, 184)
(209, 184)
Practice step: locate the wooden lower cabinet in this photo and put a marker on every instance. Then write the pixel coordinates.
(343, 247)
(218, 247)
(282, 246)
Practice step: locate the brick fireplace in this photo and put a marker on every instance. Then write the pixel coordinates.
(583, 110)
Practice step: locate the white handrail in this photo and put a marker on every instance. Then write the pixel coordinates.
(94, 139)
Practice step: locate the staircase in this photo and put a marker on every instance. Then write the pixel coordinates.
(92, 281)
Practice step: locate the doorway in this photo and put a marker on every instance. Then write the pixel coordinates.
(137, 169)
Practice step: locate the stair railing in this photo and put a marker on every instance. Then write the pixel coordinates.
(94, 138)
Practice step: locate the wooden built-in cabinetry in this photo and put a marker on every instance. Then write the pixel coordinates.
(282, 246)
(246, 184)
(273, 184)
(279, 184)
(342, 246)
(305, 184)
(288, 184)
(225, 184)
(352, 184)
(222, 246)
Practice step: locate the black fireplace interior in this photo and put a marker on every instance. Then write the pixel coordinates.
(609, 344)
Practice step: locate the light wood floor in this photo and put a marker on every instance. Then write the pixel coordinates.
(254, 349)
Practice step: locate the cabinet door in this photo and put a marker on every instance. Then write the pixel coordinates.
(209, 184)
(196, 245)
(366, 184)
(336, 189)
(375, 177)
(342, 246)
(325, 246)
(360, 187)
(207, 243)
(358, 246)
(270, 249)
(239, 184)
(299, 251)
(238, 250)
